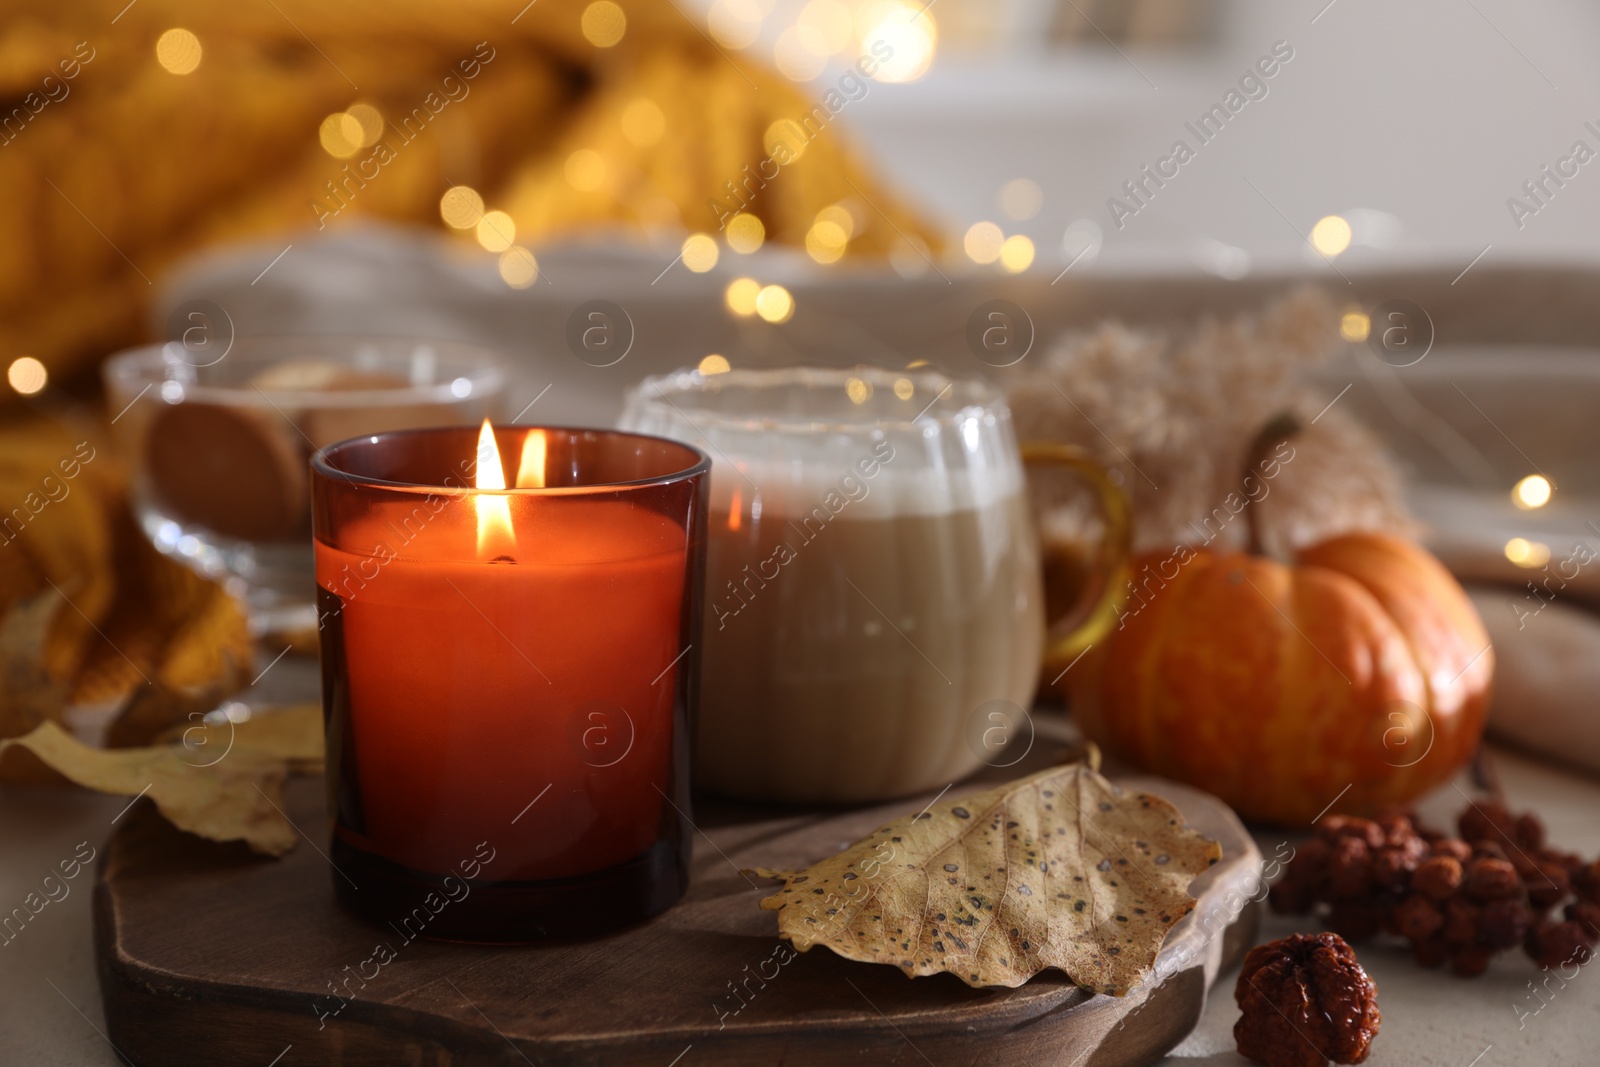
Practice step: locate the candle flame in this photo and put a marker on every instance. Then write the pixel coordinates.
(531, 469)
(495, 537)
(736, 510)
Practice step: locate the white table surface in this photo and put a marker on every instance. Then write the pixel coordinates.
(50, 1002)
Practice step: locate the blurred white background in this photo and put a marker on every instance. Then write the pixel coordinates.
(1433, 112)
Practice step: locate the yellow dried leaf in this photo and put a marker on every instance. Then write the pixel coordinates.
(293, 733)
(1061, 869)
(29, 694)
(236, 798)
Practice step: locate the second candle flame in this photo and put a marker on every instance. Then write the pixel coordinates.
(495, 536)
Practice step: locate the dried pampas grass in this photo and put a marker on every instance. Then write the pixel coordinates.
(1171, 416)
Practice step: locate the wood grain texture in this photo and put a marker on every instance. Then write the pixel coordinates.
(209, 954)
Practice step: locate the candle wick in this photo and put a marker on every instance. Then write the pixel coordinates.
(503, 559)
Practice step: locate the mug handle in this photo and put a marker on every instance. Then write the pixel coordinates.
(1116, 550)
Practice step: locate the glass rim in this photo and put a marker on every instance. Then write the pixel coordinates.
(485, 370)
(322, 468)
(967, 394)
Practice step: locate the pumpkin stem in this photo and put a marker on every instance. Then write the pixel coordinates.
(1257, 457)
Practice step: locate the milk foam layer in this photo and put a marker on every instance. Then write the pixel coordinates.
(898, 487)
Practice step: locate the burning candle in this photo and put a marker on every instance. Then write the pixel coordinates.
(507, 668)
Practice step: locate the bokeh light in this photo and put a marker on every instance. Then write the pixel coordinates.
(826, 240)
(741, 294)
(1021, 198)
(735, 23)
(1531, 492)
(830, 21)
(714, 364)
(643, 123)
(604, 23)
(745, 233)
(1016, 255)
(1525, 553)
(496, 231)
(370, 119)
(27, 375)
(907, 28)
(1354, 326)
(788, 134)
(774, 304)
(340, 135)
(801, 53)
(699, 252)
(178, 51)
(1331, 235)
(518, 268)
(859, 390)
(461, 207)
(904, 388)
(983, 242)
(585, 170)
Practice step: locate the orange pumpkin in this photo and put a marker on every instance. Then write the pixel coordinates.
(1356, 677)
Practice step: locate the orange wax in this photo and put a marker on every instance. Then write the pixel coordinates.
(478, 688)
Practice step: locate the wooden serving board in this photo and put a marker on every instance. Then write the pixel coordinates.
(207, 953)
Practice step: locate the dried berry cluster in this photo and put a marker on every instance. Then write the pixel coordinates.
(1456, 900)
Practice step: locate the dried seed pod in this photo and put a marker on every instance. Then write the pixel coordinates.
(1305, 1000)
(1491, 879)
(1437, 878)
(1416, 918)
(1504, 924)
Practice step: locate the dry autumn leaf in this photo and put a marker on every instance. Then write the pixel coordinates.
(1061, 869)
(221, 782)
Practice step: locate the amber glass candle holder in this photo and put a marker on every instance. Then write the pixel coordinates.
(507, 676)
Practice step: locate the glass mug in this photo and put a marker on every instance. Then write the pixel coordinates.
(875, 613)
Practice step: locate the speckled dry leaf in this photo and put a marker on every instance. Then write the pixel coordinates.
(1061, 869)
(235, 798)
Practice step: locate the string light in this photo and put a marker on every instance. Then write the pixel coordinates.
(714, 364)
(604, 23)
(178, 51)
(745, 233)
(907, 28)
(518, 268)
(1016, 255)
(774, 304)
(830, 21)
(370, 119)
(496, 231)
(1021, 198)
(735, 23)
(1525, 553)
(788, 135)
(27, 375)
(983, 242)
(740, 296)
(340, 135)
(643, 123)
(1331, 235)
(1531, 492)
(461, 207)
(586, 170)
(1354, 326)
(699, 252)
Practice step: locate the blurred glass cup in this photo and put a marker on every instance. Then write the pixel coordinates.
(875, 612)
(219, 445)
